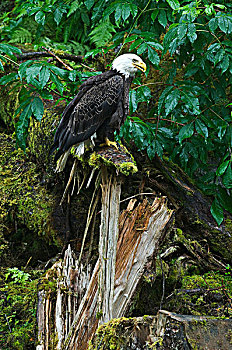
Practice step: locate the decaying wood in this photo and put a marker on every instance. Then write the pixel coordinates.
(111, 191)
(139, 240)
(141, 229)
(56, 310)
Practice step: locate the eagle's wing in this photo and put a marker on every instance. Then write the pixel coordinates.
(97, 100)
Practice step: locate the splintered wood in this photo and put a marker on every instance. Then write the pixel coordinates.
(142, 227)
(111, 191)
(141, 231)
(58, 305)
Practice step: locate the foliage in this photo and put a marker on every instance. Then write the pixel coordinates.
(18, 290)
(188, 49)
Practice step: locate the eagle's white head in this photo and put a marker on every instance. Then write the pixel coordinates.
(128, 64)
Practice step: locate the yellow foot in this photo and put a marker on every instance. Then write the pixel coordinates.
(109, 143)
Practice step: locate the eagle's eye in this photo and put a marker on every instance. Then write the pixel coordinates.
(134, 60)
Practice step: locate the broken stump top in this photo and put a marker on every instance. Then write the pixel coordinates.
(116, 158)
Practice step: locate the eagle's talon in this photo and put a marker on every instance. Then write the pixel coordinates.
(109, 143)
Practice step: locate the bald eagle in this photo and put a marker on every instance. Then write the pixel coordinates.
(99, 108)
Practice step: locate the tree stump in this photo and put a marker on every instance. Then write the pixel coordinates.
(116, 275)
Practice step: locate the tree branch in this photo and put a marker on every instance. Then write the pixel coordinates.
(66, 56)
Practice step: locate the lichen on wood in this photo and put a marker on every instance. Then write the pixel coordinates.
(118, 158)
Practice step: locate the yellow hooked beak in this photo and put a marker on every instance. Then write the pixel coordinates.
(141, 66)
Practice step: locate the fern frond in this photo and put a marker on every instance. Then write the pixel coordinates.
(101, 34)
(21, 35)
(74, 7)
(77, 48)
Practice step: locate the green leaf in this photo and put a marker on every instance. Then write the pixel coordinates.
(125, 12)
(191, 102)
(143, 94)
(37, 108)
(89, 4)
(219, 56)
(225, 199)
(151, 151)
(172, 100)
(8, 78)
(142, 48)
(201, 128)
(225, 63)
(192, 32)
(60, 72)
(44, 75)
(154, 14)
(174, 4)
(72, 75)
(9, 49)
(135, 44)
(134, 9)
(153, 148)
(170, 36)
(58, 14)
(162, 18)
(162, 98)
(32, 72)
(222, 168)
(75, 5)
(217, 212)
(182, 30)
(186, 132)
(40, 17)
(223, 23)
(213, 24)
(22, 68)
(46, 95)
(173, 46)
(118, 14)
(1, 66)
(153, 56)
(57, 82)
(101, 34)
(22, 127)
(227, 177)
(133, 100)
(221, 131)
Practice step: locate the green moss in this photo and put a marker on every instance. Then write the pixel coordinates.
(125, 166)
(112, 335)
(23, 198)
(8, 103)
(213, 296)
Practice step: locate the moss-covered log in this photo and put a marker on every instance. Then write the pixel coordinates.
(166, 331)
